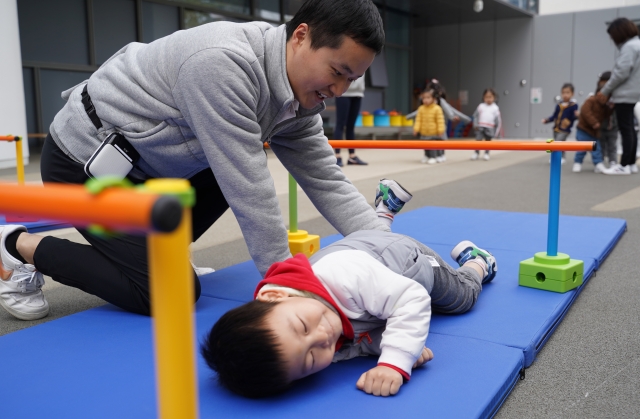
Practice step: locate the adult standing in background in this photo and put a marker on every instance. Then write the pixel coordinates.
(347, 110)
(623, 89)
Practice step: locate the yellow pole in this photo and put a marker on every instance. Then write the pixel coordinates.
(19, 160)
(172, 305)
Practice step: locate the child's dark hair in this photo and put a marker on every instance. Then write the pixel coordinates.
(329, 20)
(568, 86)
(245, 353)
(432, 92)
(438, 88)
(490, 90)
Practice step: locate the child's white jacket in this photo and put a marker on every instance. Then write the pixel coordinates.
(390, 313)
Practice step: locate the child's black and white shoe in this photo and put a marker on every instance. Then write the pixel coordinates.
(20, 283)
(390, 199)
(466, 251)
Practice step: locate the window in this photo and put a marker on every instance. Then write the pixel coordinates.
(158, 20)
(193, 18)
(114, 26)
(268, 9)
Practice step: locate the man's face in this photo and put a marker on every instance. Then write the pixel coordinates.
(566, 94)
(307, 333)
(315, 75)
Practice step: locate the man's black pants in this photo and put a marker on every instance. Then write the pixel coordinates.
(114, 269)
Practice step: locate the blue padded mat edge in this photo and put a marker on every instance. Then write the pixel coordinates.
(37, 226)
(99, 364)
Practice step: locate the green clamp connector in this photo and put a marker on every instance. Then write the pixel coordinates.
(550, 140)
(103, 233)
(95, 187)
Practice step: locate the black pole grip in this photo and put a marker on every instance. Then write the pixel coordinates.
(594, 145)
(166, 214)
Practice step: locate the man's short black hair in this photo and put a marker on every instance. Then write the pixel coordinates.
(244, 353)
(621, 30)
(568, 86)
(329, 20)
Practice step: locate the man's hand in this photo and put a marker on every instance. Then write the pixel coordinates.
(425, 357)
(380, 381)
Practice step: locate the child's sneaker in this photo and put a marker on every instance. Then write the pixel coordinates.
(466, 251)
(475, 155)
(390, 198)
(577, 167)
(20, 284)
(431, 161)
(486, 157)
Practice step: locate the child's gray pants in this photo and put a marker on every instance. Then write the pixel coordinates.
(452, 290)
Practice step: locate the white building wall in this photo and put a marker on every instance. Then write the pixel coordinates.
(13, 119)
(547, 7)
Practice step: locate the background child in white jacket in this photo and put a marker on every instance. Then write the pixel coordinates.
(486, 120)
(370, 293)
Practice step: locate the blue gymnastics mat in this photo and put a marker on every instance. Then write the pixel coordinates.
(99, 364)
(506, 313)
(37, 226)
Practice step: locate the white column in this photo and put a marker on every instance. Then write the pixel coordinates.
(13, 118)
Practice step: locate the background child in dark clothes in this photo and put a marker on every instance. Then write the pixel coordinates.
(589, 123)
(564, 115)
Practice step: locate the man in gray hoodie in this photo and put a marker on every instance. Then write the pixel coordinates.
(198, 104)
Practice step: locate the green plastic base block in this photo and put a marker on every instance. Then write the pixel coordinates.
(552, 273)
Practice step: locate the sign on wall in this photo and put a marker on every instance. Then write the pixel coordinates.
(536, 95)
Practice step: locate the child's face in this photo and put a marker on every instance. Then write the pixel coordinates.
(427, 99)
(566, 94)
(489, 98)
(307, 332)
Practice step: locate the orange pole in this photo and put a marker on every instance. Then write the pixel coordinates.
(466, 145)
(8, 138)
(117, 209)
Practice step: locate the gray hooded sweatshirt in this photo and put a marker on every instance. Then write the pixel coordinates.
(209, 97)
(624, 84)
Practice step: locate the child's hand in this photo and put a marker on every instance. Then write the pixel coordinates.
(415, 133)
(380, 381)
(425, 357)
(596, 125)
(544, 121)
(455, 119)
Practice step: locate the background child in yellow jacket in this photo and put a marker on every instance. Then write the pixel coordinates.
(429, 124)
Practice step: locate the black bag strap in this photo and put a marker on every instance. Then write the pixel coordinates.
(90, 109)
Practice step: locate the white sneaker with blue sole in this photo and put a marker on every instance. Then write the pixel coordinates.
(20, 283)
(390, 198)
(466, 251)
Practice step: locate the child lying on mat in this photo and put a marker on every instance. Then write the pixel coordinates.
(370, 293)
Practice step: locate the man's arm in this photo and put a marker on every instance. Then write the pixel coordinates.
(306, 154)
(217, 93)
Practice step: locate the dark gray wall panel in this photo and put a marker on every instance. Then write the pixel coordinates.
(52, 84)
(421, 56)
(476, 61)
(54, 31)
(593, 50)
(114, 26)
(30, 99)
(158, 20)
(552, 54)
(513, 65)
(631, 12)
(443, 61)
